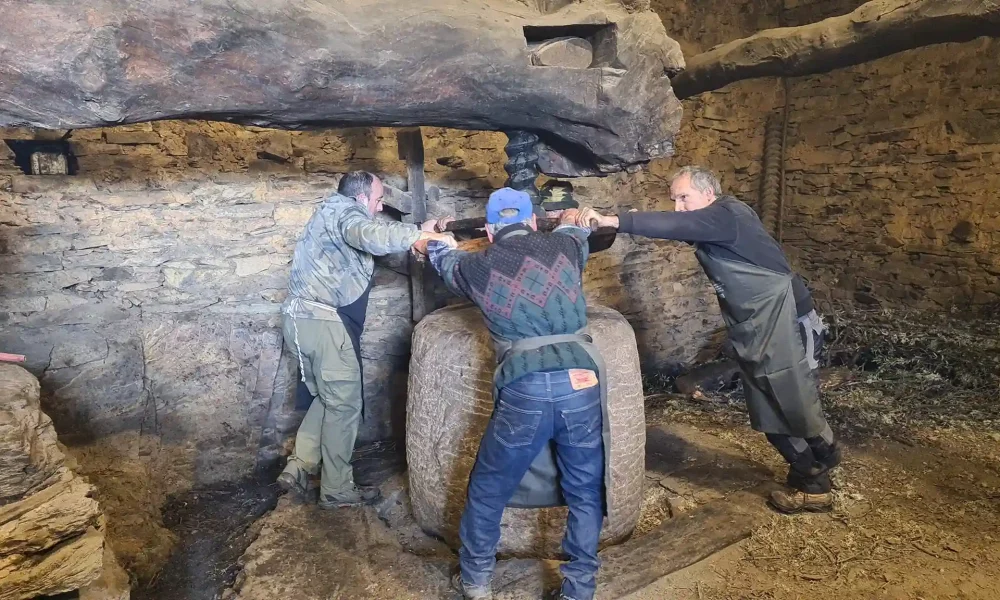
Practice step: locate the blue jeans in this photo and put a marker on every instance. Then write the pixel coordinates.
(533, 410)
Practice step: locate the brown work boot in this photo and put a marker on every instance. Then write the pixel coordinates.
(791, 501)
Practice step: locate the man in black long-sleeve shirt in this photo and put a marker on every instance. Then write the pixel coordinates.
(772, 324)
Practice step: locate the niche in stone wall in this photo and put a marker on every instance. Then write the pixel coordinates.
(43, 157)
(572, 46)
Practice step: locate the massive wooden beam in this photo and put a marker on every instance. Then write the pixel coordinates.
(324, 63)
(875, 29)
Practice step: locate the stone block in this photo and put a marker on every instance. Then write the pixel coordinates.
(897, 135)
(33, 283)
(49, 163)
(979, 128)
(132, 137)
(62, 302)
(30, 263)
(730, 126)
(251, 265)
(86, 242)
(94, 312)
(80, 348)
(92, 148)
(28, 133)
(88, 134)
(94, 257)
(200, 146)
(23, 304)
(277, 144)
(35, 184)
(38, 244)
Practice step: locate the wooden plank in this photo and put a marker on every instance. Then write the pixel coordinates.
(678, 543)
(600, 239)
(544, 224)
(410, 143)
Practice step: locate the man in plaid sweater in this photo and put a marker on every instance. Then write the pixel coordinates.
(528, 286)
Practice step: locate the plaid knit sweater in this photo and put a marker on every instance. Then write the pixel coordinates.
(527, 284)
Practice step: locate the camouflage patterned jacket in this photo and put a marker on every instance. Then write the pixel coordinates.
(333, 263)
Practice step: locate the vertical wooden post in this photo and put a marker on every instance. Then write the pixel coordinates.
(410, 143)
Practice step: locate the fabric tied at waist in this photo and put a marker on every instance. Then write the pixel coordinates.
(812, 329)
(540, 487)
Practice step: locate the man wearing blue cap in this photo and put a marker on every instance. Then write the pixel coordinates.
(544, 445)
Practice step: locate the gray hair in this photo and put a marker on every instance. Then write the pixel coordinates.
(702, 179)
(495, 228)
(356, 183)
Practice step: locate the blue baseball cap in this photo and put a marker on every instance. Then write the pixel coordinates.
(504, 199)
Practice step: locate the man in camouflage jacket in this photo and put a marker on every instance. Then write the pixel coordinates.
(324, 316)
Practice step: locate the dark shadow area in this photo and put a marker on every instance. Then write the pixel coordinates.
(214, 526)
(669, 454)
(376, 462)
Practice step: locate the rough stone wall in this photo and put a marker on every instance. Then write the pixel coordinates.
(145, 288)
(891, 172)
(156, 310)
(722, 130)
(889, 164)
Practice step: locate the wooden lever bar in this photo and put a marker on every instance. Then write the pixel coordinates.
(544, 224)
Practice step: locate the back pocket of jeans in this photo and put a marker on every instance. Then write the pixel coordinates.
(583, 425)
(515, 427)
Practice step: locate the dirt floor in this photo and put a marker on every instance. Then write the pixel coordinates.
(213, 526)
(918, 494)
(916, 401)
(911, 522)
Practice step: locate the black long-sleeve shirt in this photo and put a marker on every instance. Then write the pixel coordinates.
(728, 229)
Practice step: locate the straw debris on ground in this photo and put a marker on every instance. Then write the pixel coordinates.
(916, 399)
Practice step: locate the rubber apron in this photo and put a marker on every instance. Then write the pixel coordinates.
(758, 306)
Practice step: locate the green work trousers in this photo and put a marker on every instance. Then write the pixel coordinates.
(325, 439)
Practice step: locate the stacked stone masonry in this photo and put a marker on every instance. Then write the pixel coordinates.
(892, 180)
(889, 165)
(145, 288)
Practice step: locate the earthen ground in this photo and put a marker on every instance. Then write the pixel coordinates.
(913, 520)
